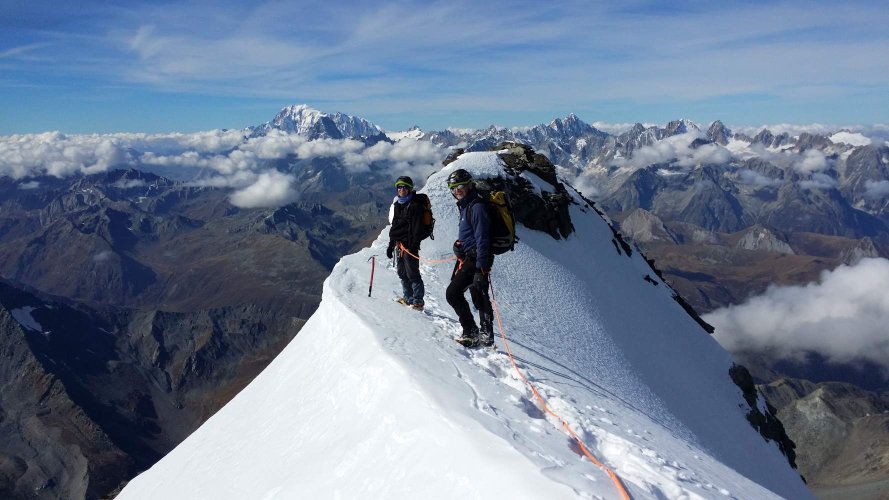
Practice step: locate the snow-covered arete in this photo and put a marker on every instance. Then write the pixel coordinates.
(375, 400)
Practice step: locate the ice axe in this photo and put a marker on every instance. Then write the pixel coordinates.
(373, 261)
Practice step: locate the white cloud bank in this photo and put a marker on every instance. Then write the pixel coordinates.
(820, 182)
(59, 155)
(853, 139)
(271, 189)
(876, 190)
(853, 135)
(753, 178)
(237, 161)
(843, 317)
(677, 148)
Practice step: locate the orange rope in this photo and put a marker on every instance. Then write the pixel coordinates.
(423, 259)
(616, 480)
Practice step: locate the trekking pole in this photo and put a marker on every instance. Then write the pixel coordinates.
(373, 261)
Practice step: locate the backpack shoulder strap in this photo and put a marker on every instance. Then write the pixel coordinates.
(478, 199)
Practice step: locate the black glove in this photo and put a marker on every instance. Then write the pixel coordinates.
(480, 281)
(458, 250)
(390, 249)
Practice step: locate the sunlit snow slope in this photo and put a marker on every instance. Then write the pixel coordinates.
(375, 400)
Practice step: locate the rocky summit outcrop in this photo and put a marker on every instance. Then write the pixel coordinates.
(762, 416)
(544, 211)
(761, 238)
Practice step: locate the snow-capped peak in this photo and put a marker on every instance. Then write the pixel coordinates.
(298, 119)
(414, 133)
(571, 126)
(306, 121)
(682, 126)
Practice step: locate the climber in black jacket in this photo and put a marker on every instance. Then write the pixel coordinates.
(407, 229)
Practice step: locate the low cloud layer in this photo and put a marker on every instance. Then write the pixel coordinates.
(236, 161)
(852, 134)
(753, 178)
(819, 182)
(678, 150)
(60, 155)
(876, 189)
(271, 189)
(843, 317)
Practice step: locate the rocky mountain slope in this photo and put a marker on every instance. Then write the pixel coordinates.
(845, 431)
(94, 396)
(158, 301)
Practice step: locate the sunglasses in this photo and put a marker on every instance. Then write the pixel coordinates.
(458, 187)
(399, 188)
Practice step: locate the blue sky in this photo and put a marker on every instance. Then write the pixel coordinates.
(106, 66)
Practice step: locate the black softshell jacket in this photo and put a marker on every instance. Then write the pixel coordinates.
(407, 222)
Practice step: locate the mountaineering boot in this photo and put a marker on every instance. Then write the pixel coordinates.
(417, 307)
(486, 334)
(469, 337)
(402, 301)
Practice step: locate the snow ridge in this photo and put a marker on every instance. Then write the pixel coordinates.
(373, 399)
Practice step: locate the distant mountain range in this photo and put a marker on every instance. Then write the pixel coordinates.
(707, 176)
(725, 215)
(693, 195)
(712, 178)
